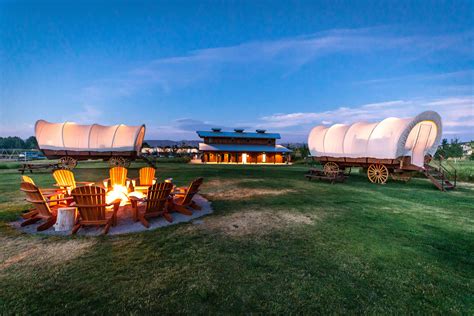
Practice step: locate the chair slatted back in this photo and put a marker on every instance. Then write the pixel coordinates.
(157, 196)
(35, 197)
(118, 176)
(192, 190)
(90, 202)
(27, 179)
(64, 178)
(147, 174)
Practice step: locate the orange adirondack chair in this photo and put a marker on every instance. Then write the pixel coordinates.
(183, 198)
(52, 193)
(91, 204)
(145, 180)
(45, 191)
(42, 206)
(118, 176)
(154, 205)
(65, 179)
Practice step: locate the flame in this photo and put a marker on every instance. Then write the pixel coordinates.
(118, 192)
(121, 192)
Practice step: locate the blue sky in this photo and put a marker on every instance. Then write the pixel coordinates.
(179, 66)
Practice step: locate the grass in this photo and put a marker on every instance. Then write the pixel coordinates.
(275, 244)
(464, 169)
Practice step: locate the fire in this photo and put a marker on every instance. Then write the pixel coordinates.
(117, 192)
(121, 192)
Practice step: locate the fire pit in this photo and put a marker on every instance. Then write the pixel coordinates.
(121, 192)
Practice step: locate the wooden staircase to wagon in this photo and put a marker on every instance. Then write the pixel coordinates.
(442, 174)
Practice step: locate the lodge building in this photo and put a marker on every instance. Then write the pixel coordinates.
(242, 147)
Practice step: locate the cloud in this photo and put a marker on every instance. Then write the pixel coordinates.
(88, 115)
(457, 75)
(187, 124)
(181, 129)
(286, 55)
(23, 130)
(457, 114)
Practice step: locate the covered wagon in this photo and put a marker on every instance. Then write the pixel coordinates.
(70, 142)
(390, 146)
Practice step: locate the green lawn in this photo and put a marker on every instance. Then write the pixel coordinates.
(275, 244)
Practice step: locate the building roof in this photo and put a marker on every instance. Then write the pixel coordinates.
(203, 134)
(243, 148)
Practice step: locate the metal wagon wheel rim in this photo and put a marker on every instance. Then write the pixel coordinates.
(117, 162)
(377, 173)
(67, 162)
(330, 168)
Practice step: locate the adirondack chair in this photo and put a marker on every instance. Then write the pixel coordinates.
(52, 193)
(65, 179)
(183, 198)
(45, 191)
(91, 204)
(145, 180)
(42, 206)
(154, 205)
(118, 176)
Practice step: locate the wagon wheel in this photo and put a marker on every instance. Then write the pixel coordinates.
(127, 163)
(68, 163)
(117, 162)
(330, 168)
(377, 173)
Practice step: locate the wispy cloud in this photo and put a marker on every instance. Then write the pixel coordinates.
(457, 75)
(287, 55)
(457, 114)
(88, 115)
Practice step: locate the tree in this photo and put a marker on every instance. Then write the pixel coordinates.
(443, 149)
(455, 149)
(12, 143)
(31, 143)
(305, 151)
(452, 149)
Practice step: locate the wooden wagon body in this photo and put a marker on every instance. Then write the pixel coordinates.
(392, 146)
(71, 142)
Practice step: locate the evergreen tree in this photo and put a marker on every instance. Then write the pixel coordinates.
(455, 149)
(31, 143)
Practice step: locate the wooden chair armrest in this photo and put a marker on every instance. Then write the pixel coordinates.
(48, 190)
(61, 185)
(50, 194)
(58, 200)
(85, 182)
(114, 202)
(134, 198)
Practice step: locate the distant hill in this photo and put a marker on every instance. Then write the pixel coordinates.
(195, 143)
(294, 145)
(171, 143)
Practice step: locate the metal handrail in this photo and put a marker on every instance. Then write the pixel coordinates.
(443, 170)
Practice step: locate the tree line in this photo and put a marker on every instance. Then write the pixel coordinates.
(452, 149)
(16, 142)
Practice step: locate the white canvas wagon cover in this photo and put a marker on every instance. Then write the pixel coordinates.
(390, 138)
(75, 137)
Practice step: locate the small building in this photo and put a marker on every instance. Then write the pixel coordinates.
(242, 147)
